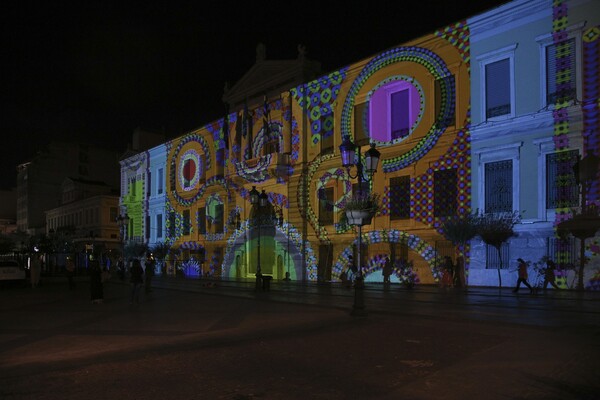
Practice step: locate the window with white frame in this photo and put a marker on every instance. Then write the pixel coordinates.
(561, 82)
(160, 181)
(497, 86)
(560, 66)
(159, 227)
(498, 177)
(561, 188)
(498, 186)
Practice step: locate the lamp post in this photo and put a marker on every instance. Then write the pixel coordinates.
(349, 151)
(123, 223)
(260, 201)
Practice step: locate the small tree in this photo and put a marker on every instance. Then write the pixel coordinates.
(135, 250)
(460, 230)
(495, 229)
(161, 251)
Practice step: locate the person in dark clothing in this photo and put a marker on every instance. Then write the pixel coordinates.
(549, 277)
(121, 268)
(150, 264)
(136, 278)
(387, 270)
(96, 287)
(522, 267)
(70, 270)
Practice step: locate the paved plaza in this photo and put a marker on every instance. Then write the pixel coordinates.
(195, 339)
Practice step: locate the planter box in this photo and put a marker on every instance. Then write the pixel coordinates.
(359, 217)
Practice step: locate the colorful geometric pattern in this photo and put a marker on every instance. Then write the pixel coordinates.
(560, 113)
(338, 174)
(387, 236)
(318, 97)
(262, 137)
(418, 118)
(293, 237)
(436, 67)
(193, 137)
(458, 34)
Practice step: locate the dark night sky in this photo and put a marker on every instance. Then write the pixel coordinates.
(93, 71)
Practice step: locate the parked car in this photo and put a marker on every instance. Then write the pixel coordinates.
(11, 271)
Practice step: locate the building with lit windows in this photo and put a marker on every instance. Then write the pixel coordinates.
(462, 118)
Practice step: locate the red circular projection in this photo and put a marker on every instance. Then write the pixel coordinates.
(189, 169)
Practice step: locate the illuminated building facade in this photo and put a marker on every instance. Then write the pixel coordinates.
(415, 102)
(534, 82)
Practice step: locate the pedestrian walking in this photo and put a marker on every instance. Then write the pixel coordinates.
(70, 270)
(136, 273)
(522, 268)
(150, 264)
(121, 268)
(35, 270)
(549, 276)
(387, 270)
(96, 286)
(448, 272)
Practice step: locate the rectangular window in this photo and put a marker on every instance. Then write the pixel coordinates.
(148, 227)
(326, 207)
(400, 113)
(497, 88)
(445, 192)
(327, 122)
(186, 222)
(113, 215)
(159, 226)
(172, 225)
(561, 76)
(160, 181)
(202, 220)
(149, 185)
(400, 197)
(219, 220)
(492, 261)
(561, 187)
(498, 187)
(361, 122)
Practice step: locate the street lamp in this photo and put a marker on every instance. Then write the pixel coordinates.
(348, 152)
(123, 223)
(260, 200)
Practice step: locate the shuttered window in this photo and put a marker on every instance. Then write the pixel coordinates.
(400, 197)
(561, 188)
(497, 88)
(561, 73)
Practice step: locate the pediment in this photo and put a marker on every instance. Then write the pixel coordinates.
(270, 77)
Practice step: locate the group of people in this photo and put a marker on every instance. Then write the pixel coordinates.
(523, 276)
(452, 274)
(137, 273)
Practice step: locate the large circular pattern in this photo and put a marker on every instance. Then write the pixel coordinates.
(190, 170)
(415, 88)
(436, 67)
